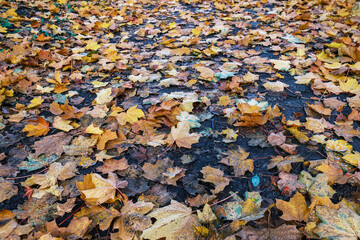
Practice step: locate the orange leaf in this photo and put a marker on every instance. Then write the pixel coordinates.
(42, 128)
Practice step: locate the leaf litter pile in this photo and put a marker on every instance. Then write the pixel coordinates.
(182, 119)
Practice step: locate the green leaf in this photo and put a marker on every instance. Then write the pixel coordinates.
(337, 224)
(36, 163)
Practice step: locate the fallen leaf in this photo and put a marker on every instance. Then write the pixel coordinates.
(97, 190)
(174, 221)
(181, 137)
(112, 165)
(206, 215)
(52, 144)
(296, 209)
(337, 224)
(238, 160)
(216, 177)
(7, 190)
(131, 116)
(41, 128)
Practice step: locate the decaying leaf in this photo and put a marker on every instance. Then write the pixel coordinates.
(181, 137)
(296, 209)
(97, 190)
(216, 177)
(238, 160)
(174, 221)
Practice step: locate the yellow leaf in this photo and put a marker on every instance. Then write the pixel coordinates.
(103, 96)
(196, 31)
(172, 25)
(35, 102)
(62, 124)
(181, 136)
(224, 100)
(42, 128)
(97, 190)
(207, 215)
(351, 85)
(92, 45)
(300, 136)
(296, 209)
(353, 158)
(201, 231)
(3, 29)
(93, 130)
(174, 221)
(132, 115)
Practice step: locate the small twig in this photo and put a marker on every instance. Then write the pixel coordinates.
(27, 175)
(224, 199)
(166, 150)
(72, 213)
(21, 222)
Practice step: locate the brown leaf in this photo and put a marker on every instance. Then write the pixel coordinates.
(7, 190)
(112, 165)
(238, 160)
(276, 139)
(181, 136)
(216, 177)
(52, 144)
(284, 232)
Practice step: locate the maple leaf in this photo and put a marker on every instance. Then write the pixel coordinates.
(181, 137)
(112, 165)
(288, 232)
(35, 102)
(103, 96)
(275, 86)
(94, 130)
(207, 215)
(216, 177)
(296, 209)
(97, 190)
(338, 224)
(174, 221)
(317, 185)
(172, 175)
(98, 216)
(131, 116)
(133, 219)
(41, 128)
(280, 64)
(34, 163)
(7, 189)
(92, 45)
(62, 124)
(238, 160)
(52, 144)
(76, 229)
